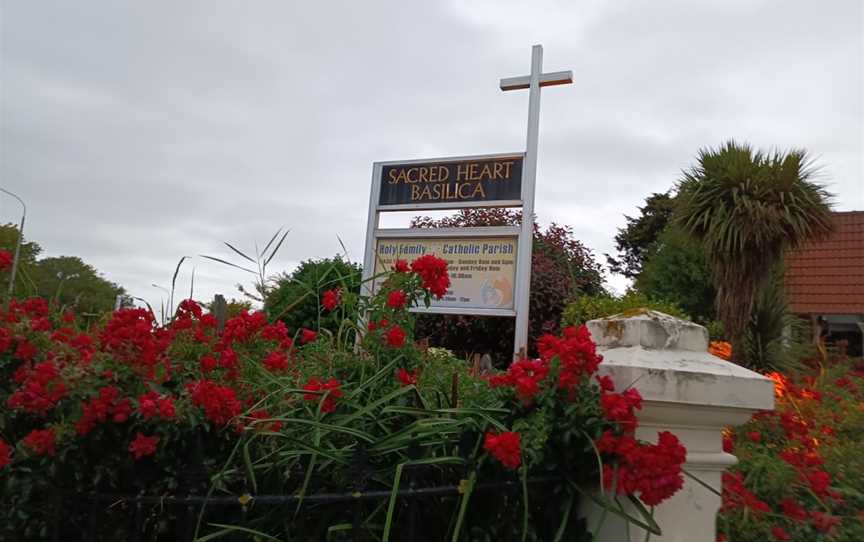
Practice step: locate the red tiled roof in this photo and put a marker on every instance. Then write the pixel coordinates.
(827, 277)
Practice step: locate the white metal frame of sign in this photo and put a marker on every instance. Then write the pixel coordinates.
(533, 82)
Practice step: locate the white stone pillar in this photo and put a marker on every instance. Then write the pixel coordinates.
(688, 392)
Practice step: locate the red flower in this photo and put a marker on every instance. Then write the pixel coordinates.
(41, 441)
(606, 383)
(276, 361)
(524, 376)
(208, 363)
(754, 436)
(5, 260)
(143, 446)
(189, 308)
(793, 510)
(736, 495)
(98, 410)
(152, 405)
(41, 388)
(397, 299)
(307, 336)
(395, 336)
(328, 389)
(5, 454)
(505, 447)
(220, 403)
(620, 407)
(824, 522)
(819, 481)
(331, 299)
(405, 377)
(40, 324)
(780, 534)
(728, 443)
(433, 272)
(652, 470)
(401, 266)
(276, 331)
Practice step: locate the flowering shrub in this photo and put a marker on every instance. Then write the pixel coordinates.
(800, 475)
(132, 407)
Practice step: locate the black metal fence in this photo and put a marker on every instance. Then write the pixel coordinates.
(422, 513)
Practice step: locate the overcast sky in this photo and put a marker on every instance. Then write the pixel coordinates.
(140, 132)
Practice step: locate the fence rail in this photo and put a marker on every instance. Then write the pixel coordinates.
(132, 515)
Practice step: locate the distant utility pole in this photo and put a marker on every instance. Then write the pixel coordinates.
(20, 239)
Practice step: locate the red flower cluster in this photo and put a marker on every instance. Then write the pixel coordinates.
(307, 336)
(576, 352)
(152, 405)
(433, 272)
(577, 361)
(524, 376)
(395, 336)
(505, 447)
(406, 377)
(276, 361)
(41, 441)
(5, 453)
(736, 495)
(108, 404)
(143, 446)
(40, 390)
(131, 336)
(651, 470)
(401, 266)
(331, 299)
(220, 403)
(397, 299)
(242, 328)
(328, 389)
(188, 308)
(5, 260)
(622, 407)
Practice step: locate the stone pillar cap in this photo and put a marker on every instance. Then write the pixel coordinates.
(648, 329)
(667, 359)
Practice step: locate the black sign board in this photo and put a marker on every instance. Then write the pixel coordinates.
(483, 179)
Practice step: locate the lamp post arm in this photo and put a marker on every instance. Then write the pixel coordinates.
(20, 240)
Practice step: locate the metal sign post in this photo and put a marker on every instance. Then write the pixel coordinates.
(533, 82)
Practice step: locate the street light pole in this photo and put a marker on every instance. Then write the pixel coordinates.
(20, 240)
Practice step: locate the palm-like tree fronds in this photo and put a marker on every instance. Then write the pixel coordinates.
(747, 208)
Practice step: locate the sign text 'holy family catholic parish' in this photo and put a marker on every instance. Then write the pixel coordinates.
(490, 266)
(472, 180)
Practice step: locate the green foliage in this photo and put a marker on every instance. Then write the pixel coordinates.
(65, 280)
(70, 282)
(295, 298)
(635, 242)
(676, 270)
(587, 307)
(772, 340)
(747, 208)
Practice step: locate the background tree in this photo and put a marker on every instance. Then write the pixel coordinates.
(636, 240)
(676, 270)
(561, 267)
(66, 280)
(747, 208)
(70, 282)
(295, 298)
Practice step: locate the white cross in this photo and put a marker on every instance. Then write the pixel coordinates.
(534, 81)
